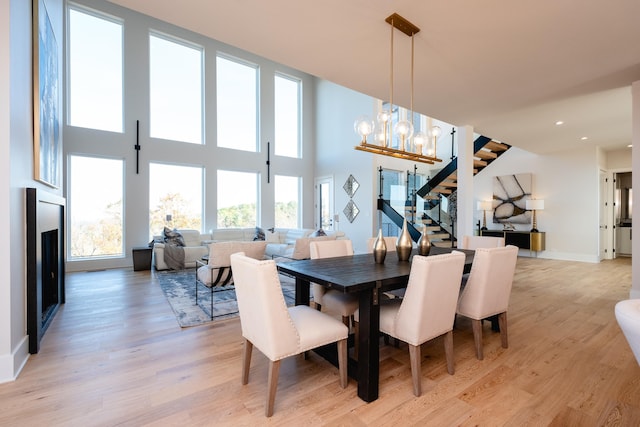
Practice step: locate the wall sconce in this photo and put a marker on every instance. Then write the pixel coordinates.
(534, 205)
(484, 206)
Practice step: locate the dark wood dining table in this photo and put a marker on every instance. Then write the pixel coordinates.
(360, 275)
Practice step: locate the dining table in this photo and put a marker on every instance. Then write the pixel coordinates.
(360, 275)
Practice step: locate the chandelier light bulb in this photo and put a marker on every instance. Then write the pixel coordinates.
(363, 127)
(435, 132)
(419, 140)
(404, 129)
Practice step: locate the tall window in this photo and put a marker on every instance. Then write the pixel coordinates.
(237, 199)
(237, 104)
(287, 116)
(175, 197)
(287, 200)
(95, 207)
(95, 71)
(175, 90)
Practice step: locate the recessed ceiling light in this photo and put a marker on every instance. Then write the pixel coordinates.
(559, 122)
(630, 145)
(584, 138)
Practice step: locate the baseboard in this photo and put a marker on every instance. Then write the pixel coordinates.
(561, 256)
(12, 364)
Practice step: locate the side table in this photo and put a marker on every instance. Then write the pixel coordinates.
(141, 258)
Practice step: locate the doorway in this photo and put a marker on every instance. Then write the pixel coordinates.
(324, 206)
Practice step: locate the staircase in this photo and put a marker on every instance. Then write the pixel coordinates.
(443, 184)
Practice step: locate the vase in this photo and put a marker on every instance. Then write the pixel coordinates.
(424, 244)
(379, 248)
(404, 243)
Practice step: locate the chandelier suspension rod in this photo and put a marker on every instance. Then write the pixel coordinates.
(391, 93)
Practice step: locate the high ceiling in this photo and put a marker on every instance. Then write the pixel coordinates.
(509, 69)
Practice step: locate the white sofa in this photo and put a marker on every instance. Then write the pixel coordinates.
(294, 242)
(282, 242)
(197, 244)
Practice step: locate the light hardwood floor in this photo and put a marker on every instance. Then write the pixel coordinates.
(114, 355)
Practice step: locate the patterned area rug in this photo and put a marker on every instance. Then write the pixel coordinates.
(179, 288)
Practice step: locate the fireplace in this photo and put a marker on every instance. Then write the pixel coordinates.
(45, 262)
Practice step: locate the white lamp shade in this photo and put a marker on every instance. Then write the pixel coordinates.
(535, 205)
(485, 205)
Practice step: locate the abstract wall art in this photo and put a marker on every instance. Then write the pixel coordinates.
(47, 144)
(510, 193)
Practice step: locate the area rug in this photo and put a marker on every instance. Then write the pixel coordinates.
(179, 288)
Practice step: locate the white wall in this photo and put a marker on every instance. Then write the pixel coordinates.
(16, 171)
(635, 111)
(568, 183)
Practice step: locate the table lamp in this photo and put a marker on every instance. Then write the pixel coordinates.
(484, 206)
(534, 205)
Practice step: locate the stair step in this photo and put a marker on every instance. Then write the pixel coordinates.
(441, 190)
(438, 236)
(496, 146)
(449, 184)
(430, 197)
(479, 163)
(433, 228)
(442, 244)
(485, 154)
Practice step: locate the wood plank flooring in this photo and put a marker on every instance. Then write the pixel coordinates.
(115, 355)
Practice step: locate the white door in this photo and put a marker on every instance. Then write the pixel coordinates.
(605, 216)
(323, 215)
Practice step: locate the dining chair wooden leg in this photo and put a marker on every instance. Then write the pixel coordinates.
(272, 386)
(448, 351)
(502, 321)
(477, 337)
(342, 362)
(246, 360)
(416, 373)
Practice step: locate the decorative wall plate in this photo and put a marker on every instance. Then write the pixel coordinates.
(351, 211)
(351, 186)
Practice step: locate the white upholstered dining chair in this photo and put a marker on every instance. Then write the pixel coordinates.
(333, 300)
(277, 331)
(477, 242)
(628, 316)
(428, 309)
(488, 290)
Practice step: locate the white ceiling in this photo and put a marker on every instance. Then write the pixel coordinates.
(508, 68)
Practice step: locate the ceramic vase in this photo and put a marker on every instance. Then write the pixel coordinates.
(404, 243)
(379, 249)
(424, 244)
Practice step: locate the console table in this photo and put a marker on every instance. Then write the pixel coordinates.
(534, 241)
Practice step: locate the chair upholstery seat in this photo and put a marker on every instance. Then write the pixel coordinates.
(343, 304)
(306, 319)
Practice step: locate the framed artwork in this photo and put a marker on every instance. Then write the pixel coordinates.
(351, 186)
(351, 211)
(47, 149)
(510, 194)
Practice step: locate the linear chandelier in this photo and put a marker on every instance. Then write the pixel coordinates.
(410, 146)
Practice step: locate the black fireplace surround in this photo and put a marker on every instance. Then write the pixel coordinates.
(45, 261)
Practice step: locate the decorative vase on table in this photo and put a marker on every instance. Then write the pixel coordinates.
(404, 243)
(379, 248)
(424, 244)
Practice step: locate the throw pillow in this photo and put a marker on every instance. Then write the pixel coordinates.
(173, 237)
(318, 233)
(259, 234)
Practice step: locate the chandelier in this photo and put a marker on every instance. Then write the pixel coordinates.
(420, 147)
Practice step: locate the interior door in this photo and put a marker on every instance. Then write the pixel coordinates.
(605, 216)
(324, 207)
